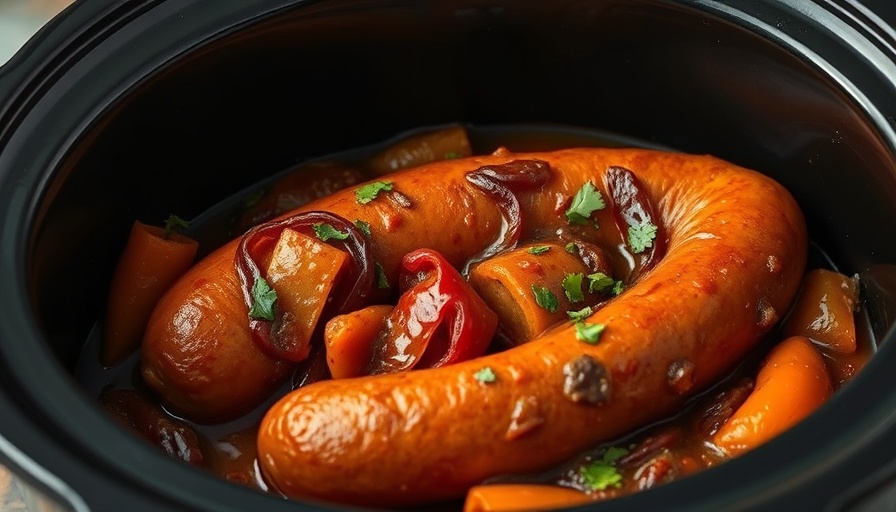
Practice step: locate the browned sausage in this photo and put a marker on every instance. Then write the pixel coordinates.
(736, 254)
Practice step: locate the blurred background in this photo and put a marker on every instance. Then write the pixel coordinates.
(20, 19)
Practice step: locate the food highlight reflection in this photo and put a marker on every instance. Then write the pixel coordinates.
(558, 254)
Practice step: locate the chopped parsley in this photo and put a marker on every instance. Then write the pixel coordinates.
(572, 248)
(572, 287)
(485, 375)
(326, 232)
(539, 249)
(382, 280)
(580, 315)
(600, 282)
(641, 237)
(602, 474)
(362, 226)
(618, 288)
(589, 333)
(263, 299)
(368, 193)
(545, 298)
(584, 203)
(174, 224)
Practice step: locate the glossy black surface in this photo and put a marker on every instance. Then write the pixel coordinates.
(136, 109)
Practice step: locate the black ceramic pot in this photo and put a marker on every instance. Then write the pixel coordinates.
(133, 109)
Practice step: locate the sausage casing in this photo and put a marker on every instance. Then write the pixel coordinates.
(736, 251)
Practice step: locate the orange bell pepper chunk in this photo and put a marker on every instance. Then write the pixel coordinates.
(792, 383)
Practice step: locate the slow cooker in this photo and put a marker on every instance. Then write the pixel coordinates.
(136, 108)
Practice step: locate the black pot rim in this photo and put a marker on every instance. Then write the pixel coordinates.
(110, 40)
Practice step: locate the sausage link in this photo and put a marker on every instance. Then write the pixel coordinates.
(736, 251)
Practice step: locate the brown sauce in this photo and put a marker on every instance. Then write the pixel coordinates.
(657, 454)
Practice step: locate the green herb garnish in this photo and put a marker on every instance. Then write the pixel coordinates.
(368, 193)
(326, 232)
(382, 280)
(572, 248)
(572, 287)
(641, 237)
(589, 333)
(263, 299)
(362, 226)
(584, 203)
(599, 282)
(602, 474)
(580, 315)
(545, 298)
(174, 224)
(539, 249)
(485, 375)
(618, 288)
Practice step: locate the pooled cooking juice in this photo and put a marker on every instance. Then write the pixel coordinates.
(699, 435)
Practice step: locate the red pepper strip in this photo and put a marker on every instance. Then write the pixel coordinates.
(501, 182)
(439, 319)
(632, 209)
(258, 243)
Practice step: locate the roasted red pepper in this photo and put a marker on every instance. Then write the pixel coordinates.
(439, 319)
(257, 244)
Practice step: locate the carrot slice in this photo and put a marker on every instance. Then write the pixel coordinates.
(792, 382)
(152, 260)
(521, 497)
(349, 337)
(825, 310)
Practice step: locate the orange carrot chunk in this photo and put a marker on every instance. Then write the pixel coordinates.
(349, 337)
(152, 260)
(443, 144)
(522, 497)
(792, 382)
(825, 310)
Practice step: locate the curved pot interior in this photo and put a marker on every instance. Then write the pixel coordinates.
(328, 76)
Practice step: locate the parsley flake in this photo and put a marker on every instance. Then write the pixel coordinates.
(362, 226)
(580, 315)
(326, 232)
(584, 203)
(602, 474)
(545, 298)
(382, 280)
(486, 375)
(618, 288)
(572, 248)
(572, 287)
(263, 299)
(368, 193)
(174, 224)
(539, 249)
(589, 333)
(641, 237)
(600, 282)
